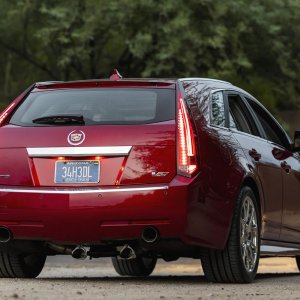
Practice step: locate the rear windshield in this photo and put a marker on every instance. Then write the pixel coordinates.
(98, 106)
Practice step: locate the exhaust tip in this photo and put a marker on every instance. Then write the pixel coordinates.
(5, 235)
(79, 253)
(150, 234)
(127, 253)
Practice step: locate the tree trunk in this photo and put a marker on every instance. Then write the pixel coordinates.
(7, 77)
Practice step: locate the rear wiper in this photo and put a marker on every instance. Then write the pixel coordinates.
(60, 120)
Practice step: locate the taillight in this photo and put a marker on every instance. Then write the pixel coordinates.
(186, 147)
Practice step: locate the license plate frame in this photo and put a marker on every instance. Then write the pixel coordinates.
(69, 175)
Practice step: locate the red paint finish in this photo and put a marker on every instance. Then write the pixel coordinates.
(14, 162)
(106, 135)
(150, 144)
(290, 164)
(197, 209)
(6, 113)
(92, 217)
(107, 84)
(269, 176)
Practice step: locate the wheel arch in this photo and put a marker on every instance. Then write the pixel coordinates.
(227, 264)
(252, 183)
(256, 188)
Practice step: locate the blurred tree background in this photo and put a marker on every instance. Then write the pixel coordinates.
(254, 44)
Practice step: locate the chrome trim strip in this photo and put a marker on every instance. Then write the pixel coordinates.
(80, 191)
(79, 151)
(4, 175)
(276, 249)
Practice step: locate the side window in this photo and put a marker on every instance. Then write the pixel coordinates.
(218, 109)
(240, 117)
(232, 123)
(273, 132)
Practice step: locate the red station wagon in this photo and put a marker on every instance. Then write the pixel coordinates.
(141, 169)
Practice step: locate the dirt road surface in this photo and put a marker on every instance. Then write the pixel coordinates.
(278, 278)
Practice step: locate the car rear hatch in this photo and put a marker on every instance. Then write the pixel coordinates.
(78, 135)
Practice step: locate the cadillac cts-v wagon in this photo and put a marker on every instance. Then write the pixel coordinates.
(146, 169)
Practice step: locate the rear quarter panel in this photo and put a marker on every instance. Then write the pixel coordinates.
(223, 168)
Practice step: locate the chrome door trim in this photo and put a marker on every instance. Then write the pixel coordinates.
(278, 250)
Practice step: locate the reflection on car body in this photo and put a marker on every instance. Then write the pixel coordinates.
(141, 169)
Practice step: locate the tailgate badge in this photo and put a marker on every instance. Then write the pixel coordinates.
(76, 137)
(159, 174)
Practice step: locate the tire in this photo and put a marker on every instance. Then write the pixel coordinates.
(238, 262)
(139, 266)
(298, 262)
(13, 265)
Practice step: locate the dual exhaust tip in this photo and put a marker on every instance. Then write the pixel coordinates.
(127, 252)
(149, 235)
(5, 235)
(80, 253)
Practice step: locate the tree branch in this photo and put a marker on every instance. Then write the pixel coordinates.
(26, 57)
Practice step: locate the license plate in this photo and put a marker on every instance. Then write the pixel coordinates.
(77, 171)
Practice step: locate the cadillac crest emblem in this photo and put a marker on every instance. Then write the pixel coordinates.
(76, 137)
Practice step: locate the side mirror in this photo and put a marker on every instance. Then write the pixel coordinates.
(296, 145)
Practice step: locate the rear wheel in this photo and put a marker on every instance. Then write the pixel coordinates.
(140, 266)
(298, 262)
(13, 265)
(238, 262)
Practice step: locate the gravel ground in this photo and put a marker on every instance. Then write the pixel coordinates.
(63, 278)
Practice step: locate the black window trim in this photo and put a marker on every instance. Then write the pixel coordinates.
(283, 133)
(259, 127)
(249, 114)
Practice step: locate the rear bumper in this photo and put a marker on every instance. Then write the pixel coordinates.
(93, 215)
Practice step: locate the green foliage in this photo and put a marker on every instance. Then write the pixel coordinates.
(254, 44)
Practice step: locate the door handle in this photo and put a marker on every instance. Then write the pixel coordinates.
(286, 167)
(254, 154)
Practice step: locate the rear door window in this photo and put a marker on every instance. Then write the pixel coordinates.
(120, 106)
(272, 130)
(239, 116)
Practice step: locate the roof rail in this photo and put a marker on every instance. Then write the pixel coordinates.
(205, 79)
(47, 82)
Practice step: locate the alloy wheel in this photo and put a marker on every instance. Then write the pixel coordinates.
(249, 234)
